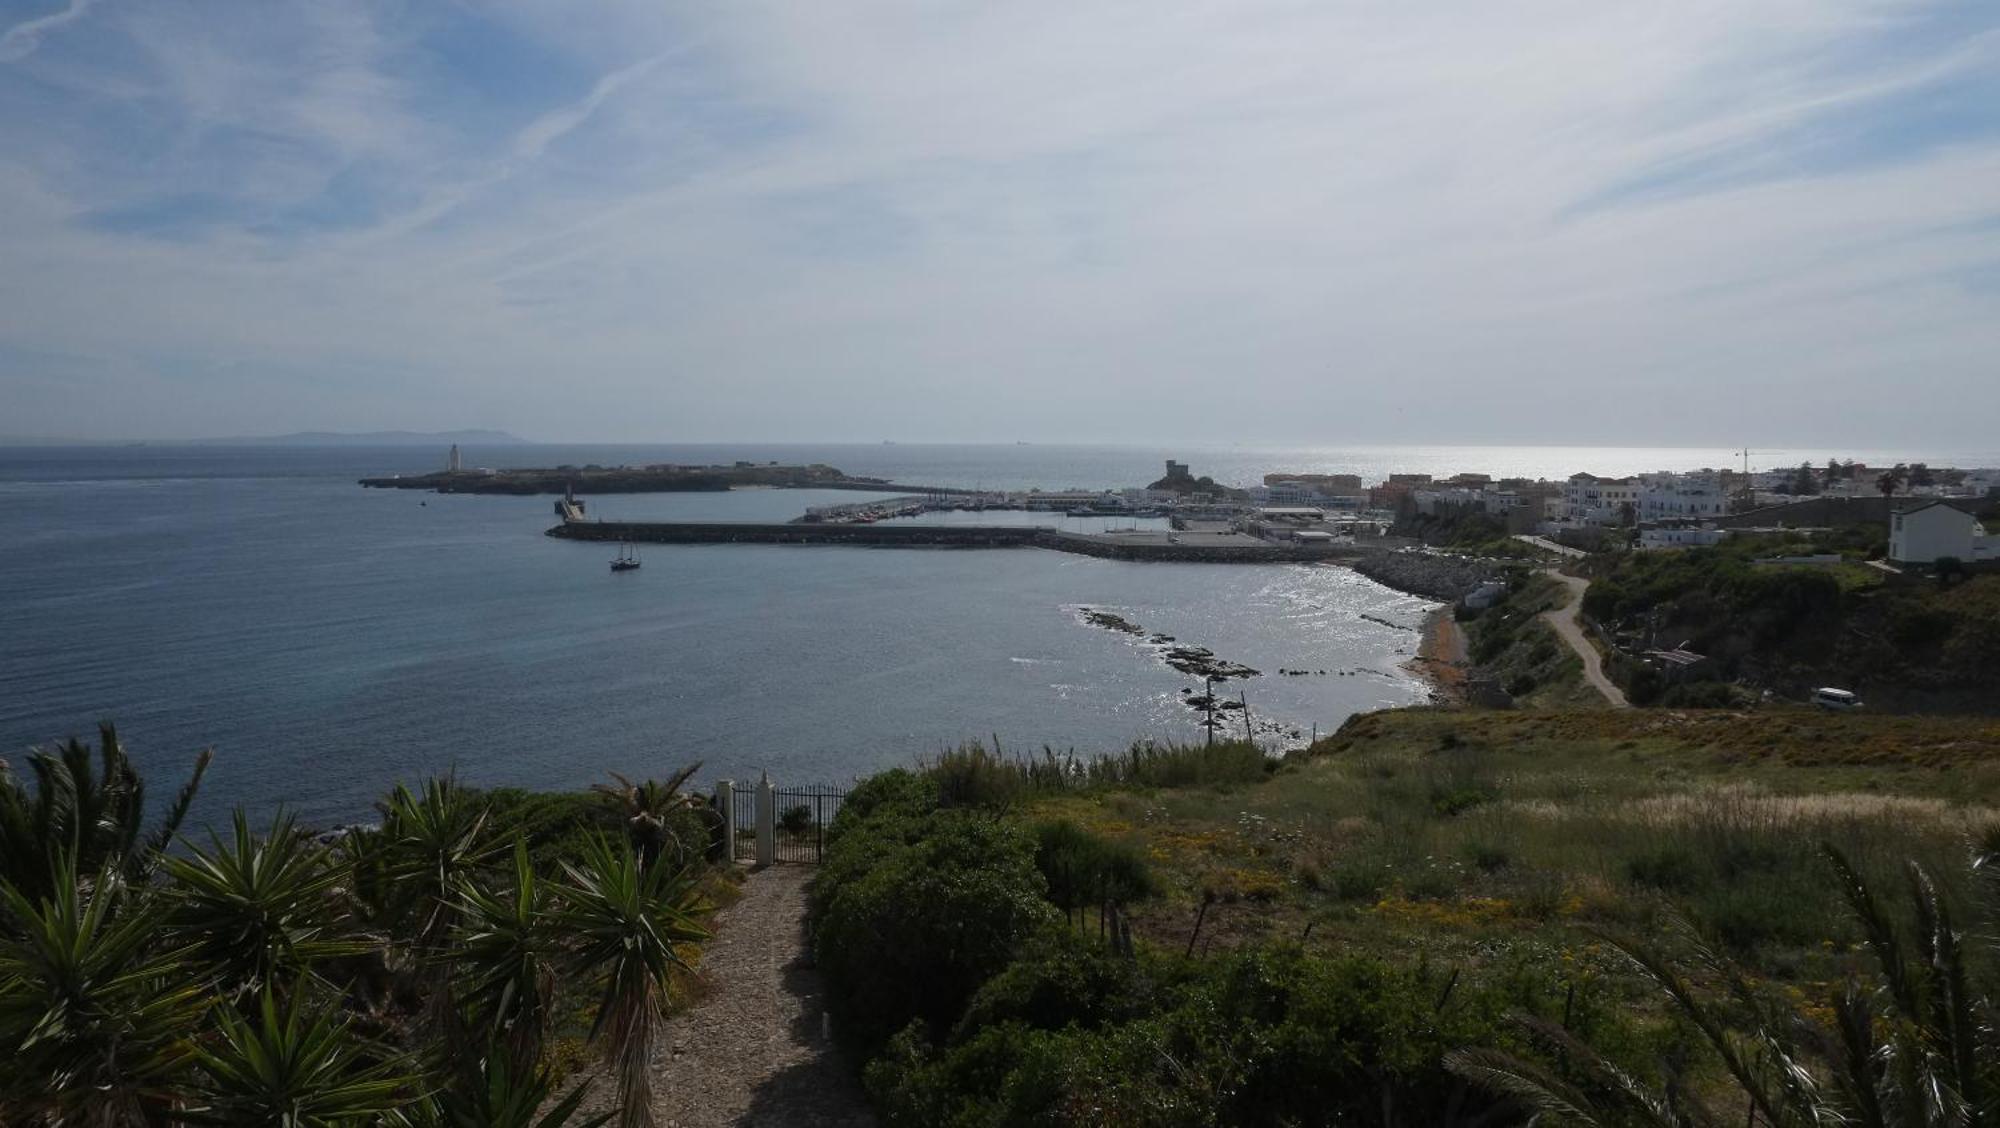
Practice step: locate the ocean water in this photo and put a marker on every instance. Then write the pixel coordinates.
(328, 640)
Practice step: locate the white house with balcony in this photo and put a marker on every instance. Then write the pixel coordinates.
(1591, 500)
(1696, 496)
(1925, 533)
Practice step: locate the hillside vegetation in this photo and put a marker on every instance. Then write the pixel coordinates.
(1906, 643)
(1434, 916)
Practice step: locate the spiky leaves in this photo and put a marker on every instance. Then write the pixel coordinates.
(287, 1068)
(627, 926)
(94, 1016)
(648, 807)
(259, 910)
(504, 954)
(495, 1095)
(93, 816)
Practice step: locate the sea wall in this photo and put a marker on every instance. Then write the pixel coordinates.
(1443, 578)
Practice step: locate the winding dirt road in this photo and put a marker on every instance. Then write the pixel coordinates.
(1563, 621)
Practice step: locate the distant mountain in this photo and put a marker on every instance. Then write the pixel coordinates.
(471, 437)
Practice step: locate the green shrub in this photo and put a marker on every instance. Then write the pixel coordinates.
(795, 820)
(1084, 870)
(911, 919)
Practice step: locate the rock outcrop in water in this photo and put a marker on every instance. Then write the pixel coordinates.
(1194, 661)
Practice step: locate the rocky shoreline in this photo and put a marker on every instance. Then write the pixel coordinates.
(1443, 578)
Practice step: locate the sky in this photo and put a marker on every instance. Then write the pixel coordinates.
(1710, 222)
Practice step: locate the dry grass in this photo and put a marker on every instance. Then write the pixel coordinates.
(1465, 833)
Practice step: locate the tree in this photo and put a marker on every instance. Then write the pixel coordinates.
(505, 953)
(1920, 475)
(94, 1016)
(1803, 482)
(284, 1068)
(649, 808)
(259, 911)
(1889, 481)
(629, 925)
(91, 818)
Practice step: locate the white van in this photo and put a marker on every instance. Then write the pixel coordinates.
(1838, 700)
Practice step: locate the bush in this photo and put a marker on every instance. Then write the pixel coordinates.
(913, 914)
(1085, 870)
(796, 820)
(1264, 1037)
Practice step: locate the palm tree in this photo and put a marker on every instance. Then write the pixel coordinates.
(93, 817)
(504, 953)
(648, 806)
(1914, 1046)
(285, 1068)
(262, 911)
(1889, 481)
(628, 925)
(94, 1014)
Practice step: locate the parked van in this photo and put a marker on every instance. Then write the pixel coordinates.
(1838, 700)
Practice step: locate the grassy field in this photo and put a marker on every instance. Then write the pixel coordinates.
(1471, 836)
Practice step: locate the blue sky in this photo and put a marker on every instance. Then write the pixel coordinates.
(1256, 220)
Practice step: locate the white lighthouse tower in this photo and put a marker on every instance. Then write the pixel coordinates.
(452, 463)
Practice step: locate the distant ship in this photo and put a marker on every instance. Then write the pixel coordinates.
(627, 559)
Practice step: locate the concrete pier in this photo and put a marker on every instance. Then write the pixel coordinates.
(1215, 548)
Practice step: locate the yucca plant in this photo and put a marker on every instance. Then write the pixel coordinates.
(1914, 1044)
(260, 910)
(626, 925)
(504, 954)
(494, 1094)
(94, 816)
(288, 1068)
(429, 844)
(648, 807)
(95, 1014)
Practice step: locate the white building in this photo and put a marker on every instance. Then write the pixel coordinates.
(1591, 500)
(1680, 538)
(1667, 496)
(1927, 532)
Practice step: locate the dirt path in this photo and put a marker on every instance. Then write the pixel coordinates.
(751, 1051)
(1564, 621)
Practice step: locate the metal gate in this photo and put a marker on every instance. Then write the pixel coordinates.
(778, 824)
(743, 818)
(802, 815)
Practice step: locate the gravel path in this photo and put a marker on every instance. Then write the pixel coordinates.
(1565, 624)
(750, 1051)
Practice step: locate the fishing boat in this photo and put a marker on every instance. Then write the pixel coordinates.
(627, 559)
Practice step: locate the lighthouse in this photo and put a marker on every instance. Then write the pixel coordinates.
(451, 462)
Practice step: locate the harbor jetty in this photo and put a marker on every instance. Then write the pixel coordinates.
(1198, 547)
(659, 478)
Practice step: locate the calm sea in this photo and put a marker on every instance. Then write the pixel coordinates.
(327, 640)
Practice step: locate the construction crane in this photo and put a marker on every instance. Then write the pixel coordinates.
(1746, 452)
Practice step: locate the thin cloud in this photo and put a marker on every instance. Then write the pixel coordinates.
(21, 40)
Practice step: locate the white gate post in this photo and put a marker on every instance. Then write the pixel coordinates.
(767, 822)
(725, 802)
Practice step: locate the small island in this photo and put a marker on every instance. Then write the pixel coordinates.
(657, 478)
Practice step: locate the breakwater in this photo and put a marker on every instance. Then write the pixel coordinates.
(1116, 546)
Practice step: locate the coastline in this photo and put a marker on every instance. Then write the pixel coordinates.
(1440, 658)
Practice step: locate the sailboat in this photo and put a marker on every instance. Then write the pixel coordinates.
(627, 559)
